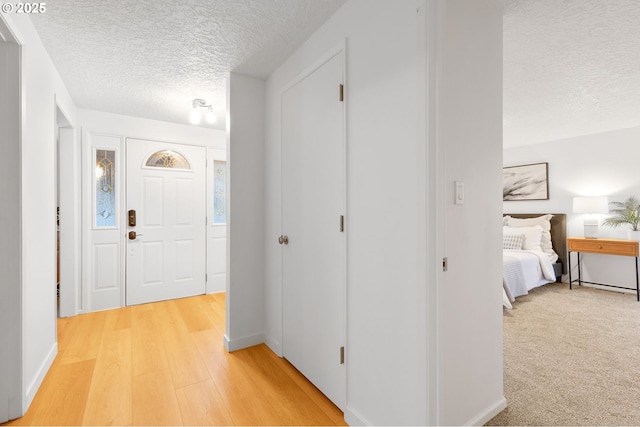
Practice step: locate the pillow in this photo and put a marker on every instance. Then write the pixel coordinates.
(532, 236)
(512, 241)
(543, 221)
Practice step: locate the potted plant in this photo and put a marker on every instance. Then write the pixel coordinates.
(627, 212)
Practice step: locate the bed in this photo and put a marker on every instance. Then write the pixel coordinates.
(534, 252)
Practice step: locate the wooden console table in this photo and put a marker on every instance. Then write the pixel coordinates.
(605, 247)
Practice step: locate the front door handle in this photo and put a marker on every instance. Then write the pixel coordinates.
(133, 235)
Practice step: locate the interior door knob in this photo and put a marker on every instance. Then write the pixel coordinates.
(285, 240)
(133, 235)
(280, 239)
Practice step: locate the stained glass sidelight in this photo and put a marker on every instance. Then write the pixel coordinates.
(105, 188)
(168, 159)
(219, 192)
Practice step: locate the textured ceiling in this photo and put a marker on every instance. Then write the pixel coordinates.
(151, 58)
(571, 67)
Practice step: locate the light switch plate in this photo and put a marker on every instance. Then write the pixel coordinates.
(459, 193)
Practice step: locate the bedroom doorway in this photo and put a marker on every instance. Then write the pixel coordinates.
(313, 240)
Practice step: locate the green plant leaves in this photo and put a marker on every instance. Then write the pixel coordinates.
(627, 212)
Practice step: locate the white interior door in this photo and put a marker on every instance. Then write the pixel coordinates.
(313, 201)
(166, 189)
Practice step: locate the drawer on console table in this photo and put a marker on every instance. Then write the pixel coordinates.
(603, 246)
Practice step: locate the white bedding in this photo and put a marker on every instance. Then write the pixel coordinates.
(524, 270)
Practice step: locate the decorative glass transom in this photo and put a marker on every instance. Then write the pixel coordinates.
(105, 188)
(168, 159)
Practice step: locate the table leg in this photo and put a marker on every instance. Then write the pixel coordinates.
(569, 266)
(579, 271)
(637, 286)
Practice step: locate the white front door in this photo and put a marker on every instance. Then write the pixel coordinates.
(166, 246)
(313, 201)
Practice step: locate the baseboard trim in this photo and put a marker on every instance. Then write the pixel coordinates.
(488, 413)
(216, 284)
(243, 342)
(274, 345)
(35, 384)
(353, 418)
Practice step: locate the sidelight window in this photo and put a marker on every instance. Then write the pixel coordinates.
(105, 188)
(219, 192)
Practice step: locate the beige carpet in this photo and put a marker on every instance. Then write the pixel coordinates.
(572, 357)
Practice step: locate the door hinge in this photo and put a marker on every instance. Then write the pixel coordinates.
(206, 220)
(445, 264)
(342, 223)
(341, 93)
(206, 278)
(342, 355)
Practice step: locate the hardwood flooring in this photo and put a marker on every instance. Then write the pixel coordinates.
(165, 364)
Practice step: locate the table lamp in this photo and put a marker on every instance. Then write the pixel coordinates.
(591, 206)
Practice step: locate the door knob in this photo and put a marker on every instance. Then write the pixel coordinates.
(133, 235)
(283, 239)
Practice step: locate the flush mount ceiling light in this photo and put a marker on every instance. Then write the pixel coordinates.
(196, 114)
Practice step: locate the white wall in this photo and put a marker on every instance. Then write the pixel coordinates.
(138, 128)
(70, 220)
(386, 336)
(470, 133)
(106, 129)
(42, 88)
(604, 164)
(246, 198)
(391, 233)
(10, 233)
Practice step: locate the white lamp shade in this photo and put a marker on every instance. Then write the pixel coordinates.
(591, 205)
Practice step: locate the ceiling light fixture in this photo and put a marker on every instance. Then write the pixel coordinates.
(195, 116)
(210, 117)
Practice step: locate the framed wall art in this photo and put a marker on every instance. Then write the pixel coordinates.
(526, 182)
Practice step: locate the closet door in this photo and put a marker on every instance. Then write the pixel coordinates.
(313, 243)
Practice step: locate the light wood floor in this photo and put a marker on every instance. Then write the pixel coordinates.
(165, 364)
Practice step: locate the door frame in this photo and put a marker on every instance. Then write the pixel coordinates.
(11, 386)
(339, 49)
(114, 134)
(204, 198)
(69, 202)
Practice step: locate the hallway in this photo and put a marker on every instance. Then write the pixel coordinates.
(164, 364)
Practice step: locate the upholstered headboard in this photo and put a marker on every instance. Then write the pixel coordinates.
(558, 235)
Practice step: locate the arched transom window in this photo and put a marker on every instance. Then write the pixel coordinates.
(168, 159)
